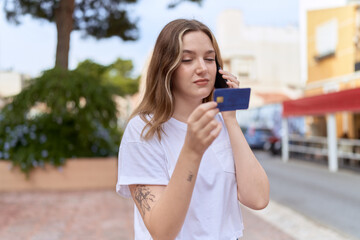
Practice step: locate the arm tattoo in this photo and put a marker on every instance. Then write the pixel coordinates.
(190, 176)
(143, 196)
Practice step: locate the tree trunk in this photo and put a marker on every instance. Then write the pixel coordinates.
(64, 25)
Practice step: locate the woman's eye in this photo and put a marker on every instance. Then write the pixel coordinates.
(210, 59)
(186, 60)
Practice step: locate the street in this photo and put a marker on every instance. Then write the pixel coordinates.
(331, 199)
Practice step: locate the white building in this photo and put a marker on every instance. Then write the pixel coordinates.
(11, 83)
(266, 59)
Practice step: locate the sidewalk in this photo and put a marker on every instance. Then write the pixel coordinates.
(294, 225)
(103, 215)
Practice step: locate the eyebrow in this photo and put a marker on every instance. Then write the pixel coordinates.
(192, 52)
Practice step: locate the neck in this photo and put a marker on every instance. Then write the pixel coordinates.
(183, 108)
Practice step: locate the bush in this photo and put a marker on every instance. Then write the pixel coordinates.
(62, 114)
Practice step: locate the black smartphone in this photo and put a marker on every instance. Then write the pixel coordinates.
(220, 82)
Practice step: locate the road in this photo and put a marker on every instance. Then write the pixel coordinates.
(332, 199)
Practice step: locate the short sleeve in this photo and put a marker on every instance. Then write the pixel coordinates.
(140, 163)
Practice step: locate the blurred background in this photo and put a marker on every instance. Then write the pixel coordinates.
(71, 72)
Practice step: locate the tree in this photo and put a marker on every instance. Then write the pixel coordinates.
(100, 19)
(64, 114)
(117, 75)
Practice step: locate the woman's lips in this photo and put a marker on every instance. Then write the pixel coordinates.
(201, 82)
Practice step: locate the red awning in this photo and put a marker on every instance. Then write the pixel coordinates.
(347, 100)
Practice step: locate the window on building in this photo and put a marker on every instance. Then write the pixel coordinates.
(246, 68)
(326, 39)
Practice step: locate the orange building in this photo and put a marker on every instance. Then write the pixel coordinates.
(332, 92)
(333, 54)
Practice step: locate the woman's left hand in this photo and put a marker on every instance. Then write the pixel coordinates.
(232, 82)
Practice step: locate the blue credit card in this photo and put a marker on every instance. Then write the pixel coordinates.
(230, 99)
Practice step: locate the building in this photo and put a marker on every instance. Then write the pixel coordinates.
(125, 106)
(304, 7)
(11, 83)
(266, 59)
(332, 92)
(334, 62)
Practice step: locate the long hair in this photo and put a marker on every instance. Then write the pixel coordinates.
(157, 104)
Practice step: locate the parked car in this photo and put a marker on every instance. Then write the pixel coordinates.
(273, 145)
(258, 137)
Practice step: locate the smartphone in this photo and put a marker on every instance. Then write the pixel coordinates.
(220, 82)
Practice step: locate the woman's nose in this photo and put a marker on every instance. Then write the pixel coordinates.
(201, 66)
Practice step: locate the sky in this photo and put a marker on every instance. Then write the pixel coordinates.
(30, 48)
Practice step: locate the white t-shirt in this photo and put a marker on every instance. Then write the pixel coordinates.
(214, 212)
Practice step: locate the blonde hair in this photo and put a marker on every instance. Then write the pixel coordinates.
(157, 104)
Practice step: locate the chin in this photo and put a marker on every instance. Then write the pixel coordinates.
(204, 95)
(208, 91)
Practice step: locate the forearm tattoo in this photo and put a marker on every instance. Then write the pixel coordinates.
(143, 196)
(190, 176)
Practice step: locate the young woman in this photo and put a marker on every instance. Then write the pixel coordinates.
(185, 165)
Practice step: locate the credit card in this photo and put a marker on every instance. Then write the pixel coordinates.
(230, 99)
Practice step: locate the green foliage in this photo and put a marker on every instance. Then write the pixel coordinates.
(117, 75)
(63, 114)
(100, 19)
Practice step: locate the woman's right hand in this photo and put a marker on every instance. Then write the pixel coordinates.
(202, 128)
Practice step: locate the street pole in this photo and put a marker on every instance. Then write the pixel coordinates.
(285, 140)
(332, 143)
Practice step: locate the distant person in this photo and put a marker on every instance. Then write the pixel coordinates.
(184, 164)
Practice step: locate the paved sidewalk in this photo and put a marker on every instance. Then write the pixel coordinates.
(103, 215)
(256, 228)
(295, 224)
(100, 215)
